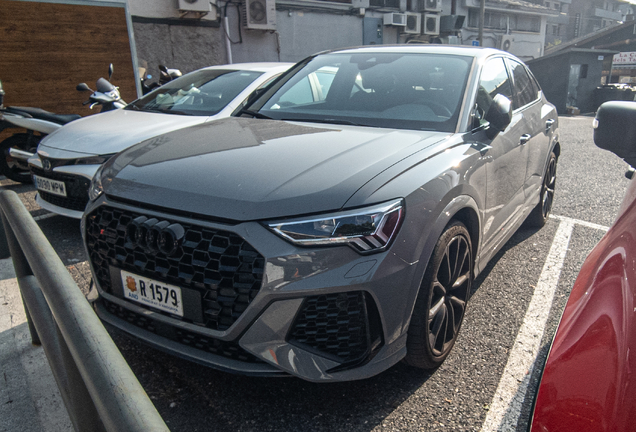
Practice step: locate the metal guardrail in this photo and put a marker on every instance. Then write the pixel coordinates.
(98, 388)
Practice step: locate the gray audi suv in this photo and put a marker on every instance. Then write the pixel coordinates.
(336, 224)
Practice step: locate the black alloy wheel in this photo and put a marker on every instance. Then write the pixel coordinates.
(539, 215)
(441, 302)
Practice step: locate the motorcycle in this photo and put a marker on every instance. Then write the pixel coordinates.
(165, 75)
(19, 147)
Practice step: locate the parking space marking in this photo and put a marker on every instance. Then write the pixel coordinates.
(581, 222)
(505, 407)
(44, 216)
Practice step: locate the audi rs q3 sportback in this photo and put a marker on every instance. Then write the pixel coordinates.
(335, 225)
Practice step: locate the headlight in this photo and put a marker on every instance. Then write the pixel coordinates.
(366, 230)
(96, 188)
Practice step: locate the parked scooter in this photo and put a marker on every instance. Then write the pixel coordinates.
(19, 147)
(165, 75)
(106, 95)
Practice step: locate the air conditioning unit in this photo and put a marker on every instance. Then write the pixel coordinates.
(201, 6)
(506, 42)
(413, 23)
(395, 19)
(431, 24)
(472, 3)
(430, 6)
(360, 4)
(450, 40)
(259, 14)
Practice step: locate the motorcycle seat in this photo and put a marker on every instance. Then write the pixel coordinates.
(41, 114)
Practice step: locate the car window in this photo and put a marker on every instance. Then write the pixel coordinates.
(314, 87)
(299, 94)
(406, 91)
(525, 91)
(494, 80)
(204, 92)
(325, 77)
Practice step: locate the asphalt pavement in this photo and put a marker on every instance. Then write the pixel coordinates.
(487, 383)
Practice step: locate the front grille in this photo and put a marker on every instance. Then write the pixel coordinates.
(337, 325)
(225, 269)
(230, 350)
(76, 189)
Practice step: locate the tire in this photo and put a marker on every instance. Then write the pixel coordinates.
(441, 301)
(539, 215)
(9, 167)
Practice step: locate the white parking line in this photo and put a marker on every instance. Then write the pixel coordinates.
(44, 216)
(505, 407)
(581, 222)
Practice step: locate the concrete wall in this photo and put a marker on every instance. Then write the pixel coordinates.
(553, 75)
(586, 87)
(162, 38)
(177, 46)
(300, 34)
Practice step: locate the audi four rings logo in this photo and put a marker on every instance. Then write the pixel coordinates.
(154, 235)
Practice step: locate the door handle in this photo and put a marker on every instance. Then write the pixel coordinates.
(549, 123)
(524, 139)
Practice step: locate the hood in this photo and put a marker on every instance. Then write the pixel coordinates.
(112, 131)
(249, 169)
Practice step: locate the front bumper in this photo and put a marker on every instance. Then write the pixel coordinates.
(77, 180)
(303, 320)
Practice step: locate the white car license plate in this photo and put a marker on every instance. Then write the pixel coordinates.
(152, 293)
(51, 186)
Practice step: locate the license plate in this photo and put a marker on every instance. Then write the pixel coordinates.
(152, 293)
(51, 186)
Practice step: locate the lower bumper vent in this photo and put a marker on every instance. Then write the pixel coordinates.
(342, 326)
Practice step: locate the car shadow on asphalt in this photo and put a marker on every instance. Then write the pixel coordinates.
(522, 234)
(193, 397)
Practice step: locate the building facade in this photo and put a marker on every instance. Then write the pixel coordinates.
(289, 30)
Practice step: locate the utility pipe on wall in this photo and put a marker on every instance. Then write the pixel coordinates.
(228, 45)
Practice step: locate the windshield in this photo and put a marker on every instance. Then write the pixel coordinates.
(201, 93)
(394, 90)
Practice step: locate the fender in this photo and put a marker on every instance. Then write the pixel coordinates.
(450, 211)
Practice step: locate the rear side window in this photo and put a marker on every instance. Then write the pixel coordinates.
(494, 80)
(525, 91)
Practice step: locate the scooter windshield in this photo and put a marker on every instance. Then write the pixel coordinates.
(103, 86)
(200, 93)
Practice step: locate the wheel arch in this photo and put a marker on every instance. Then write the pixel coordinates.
(463, 208)
(469, 217)
(557, 149)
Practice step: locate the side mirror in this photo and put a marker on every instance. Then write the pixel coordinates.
(110, 71)
(83, 87)
(499, 115)
(615, 129)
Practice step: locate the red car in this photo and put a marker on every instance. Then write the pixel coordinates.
(588, 383)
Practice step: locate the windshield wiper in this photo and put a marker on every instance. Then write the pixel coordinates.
(329, 120)
(167, 111)
(254, 114)
(160, 110)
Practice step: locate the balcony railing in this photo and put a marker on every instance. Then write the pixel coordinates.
(602, 13)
